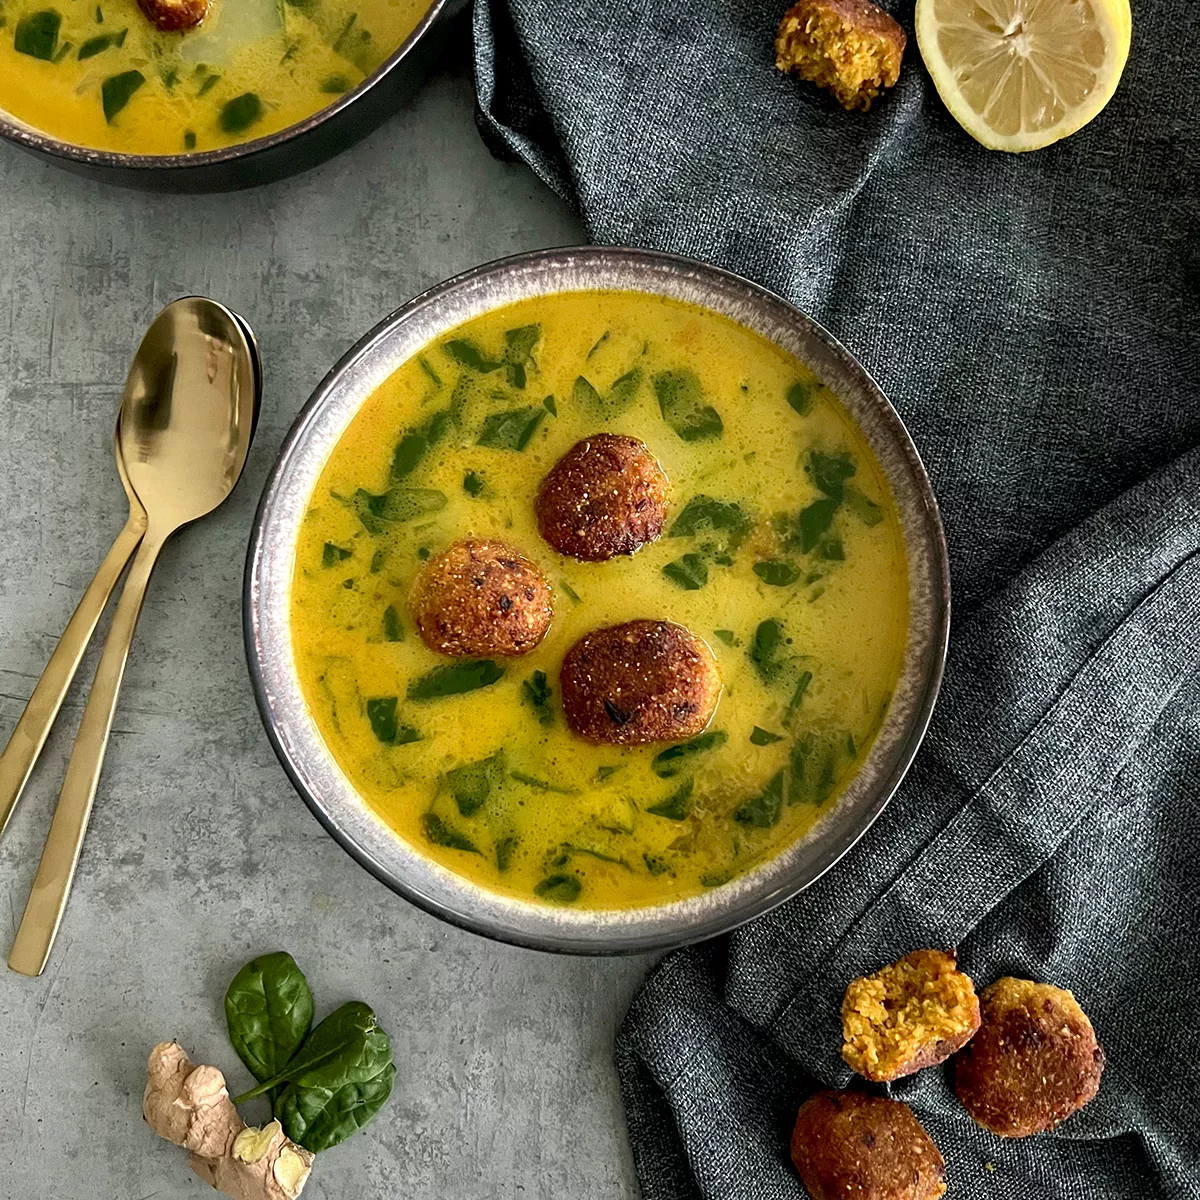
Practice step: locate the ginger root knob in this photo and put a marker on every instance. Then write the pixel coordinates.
(190, 1106)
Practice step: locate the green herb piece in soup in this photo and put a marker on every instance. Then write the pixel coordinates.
(268, 1011)
(672, 760)
(550, 405)
(511, 430)
(703, 514)
(681, 402)
(393, 630)
(560, 888)
(518, 352)
(37, 35)
(832, 550)
(605, 773)
(814, 521)
(716, 879)
(830, 471)
(454, 679)
(800, 398)
(727, 636)
(675, 806)
(536, 692)
(689, 572)
(238, 114)
(97, 45)
(571, 593)
(396, 506)
(118, 90)
(598, 343)
(814, 767)
(386, 726)
(542, 785)
(440, 834)
(863, 507)
(763, 737)
(189, 139)
(469, 355)
(473, 484)
(472, 784)
(764, 651)
(335, 85)
(776, 573)
(504, 852)
(763, 811)
(797, 695)
(332, 554)
(656, 864)
(209, 82)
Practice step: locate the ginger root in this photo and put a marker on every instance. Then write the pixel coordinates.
(190, 1106)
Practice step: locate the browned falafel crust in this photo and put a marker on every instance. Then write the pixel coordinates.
(852, 1144)
(171, 16)
(606, 496)
(1034, 1062)
(645, 681)
(913, 1013)
(850, 47)
(481, 597)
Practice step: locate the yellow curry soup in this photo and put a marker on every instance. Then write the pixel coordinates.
(96, 73)
(781, 549)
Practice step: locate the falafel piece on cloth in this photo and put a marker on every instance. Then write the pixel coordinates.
(851, 48)
(645, 681)
(1034, 1062)
(606, 496)
(850, 1144)
(913, 1013)
(481, 597)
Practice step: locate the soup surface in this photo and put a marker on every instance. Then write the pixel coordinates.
(781, 548)
(97, 73)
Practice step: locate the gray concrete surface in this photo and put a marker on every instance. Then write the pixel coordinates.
(200, 854)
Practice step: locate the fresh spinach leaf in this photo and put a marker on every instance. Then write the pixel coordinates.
(117, 90)
(455, 678)
(440, 834)
(830, 471)
(536, 692)
(473, 484)
(269, 1011)
(238, 114)
(331, 555)
(863, 507)
(560, 888)
(471, 784)
(675, 806)
(681, 402)
(703, 514)
(763, 737)
(763, 811)
(381, 713)
(800, 399)
(469, 355)
(815, 520)
(518, 352)
(318, 1118)
(512, 429)
(689, 572)
(776, 572)
(393, 630)
(37, 35)
(671, 761)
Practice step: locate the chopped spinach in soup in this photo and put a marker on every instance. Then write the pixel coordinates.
(781, 548)
(97, 73)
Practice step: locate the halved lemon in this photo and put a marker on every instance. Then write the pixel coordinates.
(1021, 74)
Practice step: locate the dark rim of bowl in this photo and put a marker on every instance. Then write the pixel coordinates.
(725, 921)
(44, 143)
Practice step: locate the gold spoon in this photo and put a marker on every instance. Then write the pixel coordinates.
(186, 423)
(35, 722)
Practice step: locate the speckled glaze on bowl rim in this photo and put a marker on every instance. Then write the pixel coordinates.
(270, 561)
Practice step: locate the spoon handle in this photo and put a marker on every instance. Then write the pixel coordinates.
(35, 722)
(60, 856)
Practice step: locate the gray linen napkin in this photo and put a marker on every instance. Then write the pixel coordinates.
(1035, 320)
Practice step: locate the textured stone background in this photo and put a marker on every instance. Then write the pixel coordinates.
(199, 853)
